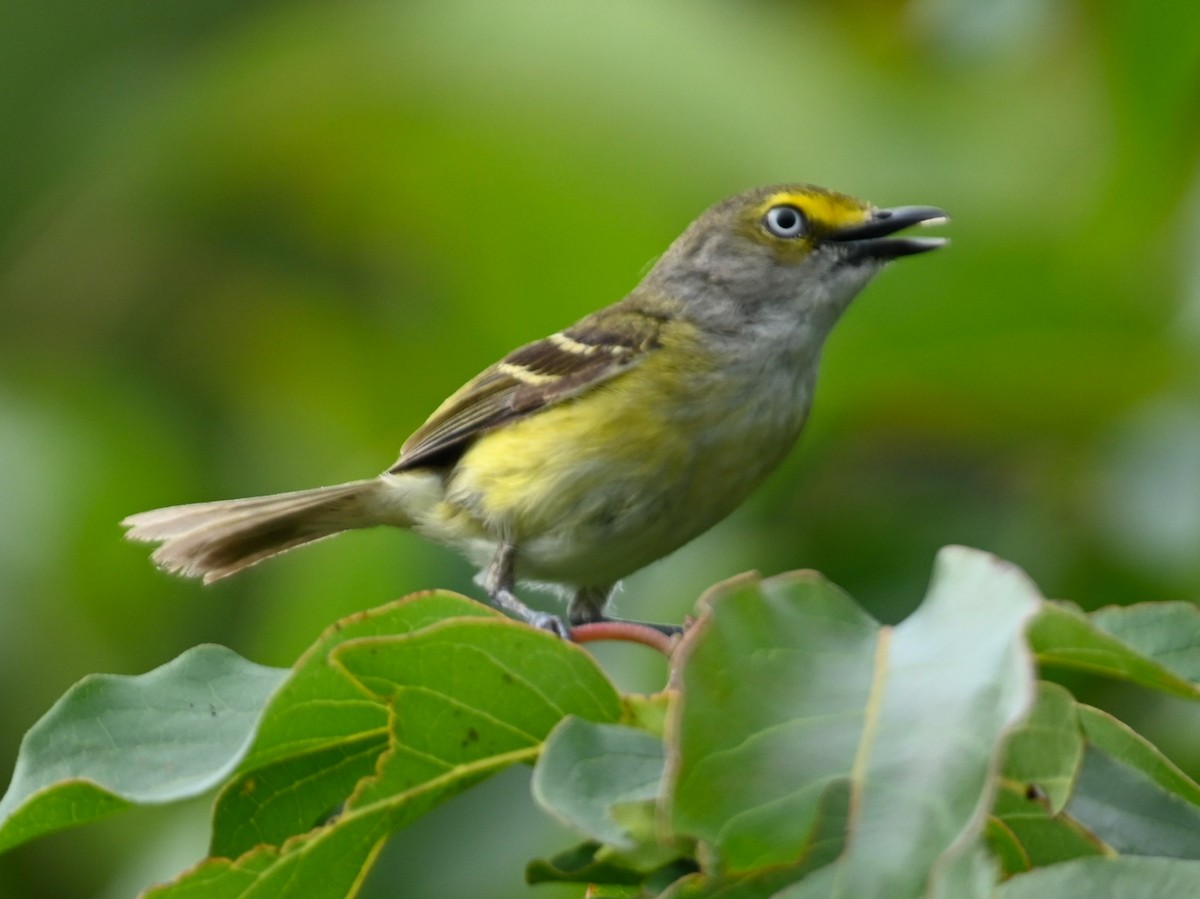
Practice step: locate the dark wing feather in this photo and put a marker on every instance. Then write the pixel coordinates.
(531, 378)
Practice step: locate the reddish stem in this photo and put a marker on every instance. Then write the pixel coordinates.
(626, 631)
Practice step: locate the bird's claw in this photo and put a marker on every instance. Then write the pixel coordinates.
(544, 621)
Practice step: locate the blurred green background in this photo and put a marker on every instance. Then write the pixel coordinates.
(248, 246)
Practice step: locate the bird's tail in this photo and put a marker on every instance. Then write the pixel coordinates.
(215, 540)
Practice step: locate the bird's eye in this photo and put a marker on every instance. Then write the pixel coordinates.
(784, 221)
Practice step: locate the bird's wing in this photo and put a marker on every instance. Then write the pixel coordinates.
(534, 377)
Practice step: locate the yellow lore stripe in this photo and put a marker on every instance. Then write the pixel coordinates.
(825, 209)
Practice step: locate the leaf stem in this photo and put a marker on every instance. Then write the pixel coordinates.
(626, 631)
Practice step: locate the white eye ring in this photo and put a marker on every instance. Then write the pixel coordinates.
(785, 221)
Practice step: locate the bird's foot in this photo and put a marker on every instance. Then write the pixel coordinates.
(546, 622)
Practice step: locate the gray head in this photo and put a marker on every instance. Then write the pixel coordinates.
(791, 249)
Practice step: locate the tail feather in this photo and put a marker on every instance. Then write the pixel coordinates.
(217, 539)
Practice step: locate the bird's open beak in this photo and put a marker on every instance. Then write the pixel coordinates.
(871, 239)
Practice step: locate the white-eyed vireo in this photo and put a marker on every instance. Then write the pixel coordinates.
(578, 459)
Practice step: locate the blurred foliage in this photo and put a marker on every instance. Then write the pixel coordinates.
(248, 246)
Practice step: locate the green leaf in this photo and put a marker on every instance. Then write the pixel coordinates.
(1023, 833)
(467, 697)
(956, 680)
(1154, 644)
(581, 864)
(588, 769)
(757, 884)
(1005, 847)
(1107, 878)
(471, 689)
(1046, 751)
(115, 740)
(292, 795)
(786, 687)
(826, 842)
(592, 863)
(1131, 796)
(319, 706)
(1167, 632)
(321, 732)
(604, 781)
(1042, 759)
(754, 746)
(328, 863)
(1121, 742)
(964, 873)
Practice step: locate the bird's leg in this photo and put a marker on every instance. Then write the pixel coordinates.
(587, 607)
(498, 582)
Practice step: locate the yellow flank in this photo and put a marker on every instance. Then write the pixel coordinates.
(529, 477)
(600, 485)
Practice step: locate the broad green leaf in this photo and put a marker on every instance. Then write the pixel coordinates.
(592, 863)
(1167, 632)
(1023, 832)
(1131, 796)
(582, 864)
(1045, 752)
(1042, 758)
(318, 705)
(116, 740)
(321, 732)
(826, 842)
(1156, 645)
(1005, 847)
(588, 769)
(1121, 742)
(1107, 878)
(786, 686)
(755, 744)
(964, 873)
(467, 697)
(328, 863)
(291, 795)
(955, 680)
(757, 884)
(473, 688)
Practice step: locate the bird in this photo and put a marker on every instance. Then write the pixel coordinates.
(580, 458)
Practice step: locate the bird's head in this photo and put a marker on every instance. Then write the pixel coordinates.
(794, 247)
